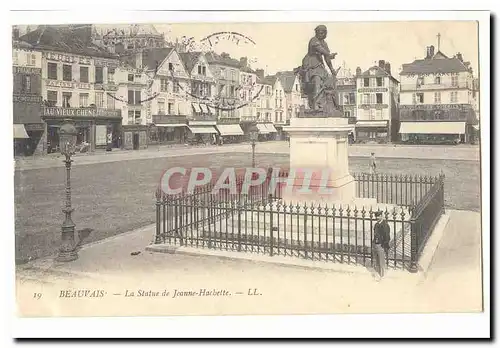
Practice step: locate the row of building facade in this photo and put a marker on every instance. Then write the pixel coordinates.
(153, 94)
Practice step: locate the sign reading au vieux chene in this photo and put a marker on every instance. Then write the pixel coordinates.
(79, 112)
(68, 59)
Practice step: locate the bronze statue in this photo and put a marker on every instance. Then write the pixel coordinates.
(317, 84)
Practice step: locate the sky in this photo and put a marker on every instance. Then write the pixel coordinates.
(281, 46)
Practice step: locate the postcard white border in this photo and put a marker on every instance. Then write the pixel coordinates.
(410, 325)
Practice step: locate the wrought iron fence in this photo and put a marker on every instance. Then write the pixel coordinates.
(260, 222)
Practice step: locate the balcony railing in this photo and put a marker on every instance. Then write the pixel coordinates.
(168, 119)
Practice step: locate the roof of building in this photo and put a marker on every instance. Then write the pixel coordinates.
(153, 57)
(379, 72)
(269, 80)
(189, 59)
(287, 79)
(65, 38)
(222, 59)
(439, 63)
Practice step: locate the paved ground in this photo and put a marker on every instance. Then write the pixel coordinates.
(461, 152)
(115, 197)
(453, 282)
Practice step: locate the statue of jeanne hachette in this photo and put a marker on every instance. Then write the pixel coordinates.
(317, 84)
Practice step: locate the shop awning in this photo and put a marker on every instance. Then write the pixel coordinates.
(172, 125)
(196, 107)
(230, 129)
(20, 132)
(262, 128)
(371, 124)
(270, 128)
(202, 130)
(204, 108)
(432, 128)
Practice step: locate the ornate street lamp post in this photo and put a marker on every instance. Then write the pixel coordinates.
(67, 144)
(254, 134)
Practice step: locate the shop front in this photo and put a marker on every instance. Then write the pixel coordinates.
(168, 129)
(135, 137)
(28, 126)
(371, 131)
(230, 132)
(96, 128)
(433, 132)
(202, 130)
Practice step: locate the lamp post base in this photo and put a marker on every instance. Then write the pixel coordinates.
(67, 256)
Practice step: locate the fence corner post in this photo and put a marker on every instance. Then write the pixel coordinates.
(159, 196)
(413, 248)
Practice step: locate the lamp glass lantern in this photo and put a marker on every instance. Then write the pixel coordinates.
(67, 138)
(254, 133)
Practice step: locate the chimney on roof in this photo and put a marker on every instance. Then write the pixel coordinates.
(430, 52)
(358, 71)
(260, 73)
(381, 64)
(244, 62)
(388, 68)
(459, 57)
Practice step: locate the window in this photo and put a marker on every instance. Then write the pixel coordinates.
(66, 99)
(223, 73)
(52, 98)
(420, 81)
(453, 97)
(379, 114)
(366, 82)
(26, 84)
(258, 116)
(231, 92)
(130, 77)
(67, 73)
(380, 81)
(233, 75)
(111, 101)
(111, 75)
(347, 114)
(437, 98)
(30, 59)
(204, 70)
(437, 80)
(99, 99)
(176, 87)
(52, 71)
(454, 80)
(418, 98)
(371, 113)
(84, 74)
(163, 85)
(161, 106)
(297, 88)
(352, 98)
(170, 67)
(133, 115)
(345, 99)
(281, 116)
(15, 58)
(366, 98)
(98, 75)
(379, 98)
(84, 100)
(134, 97)
(170, 108)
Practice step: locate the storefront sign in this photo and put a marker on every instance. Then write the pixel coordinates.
(227, 120)
(26, 70)
(26, 98)
(108, 63)
(68, 59)
(166, 119)
(34, 127)
(373, 106)
(67, 84)
(79, 112)
(372, 89)
(435, 106)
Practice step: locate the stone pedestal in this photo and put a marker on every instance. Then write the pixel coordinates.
(320, 145)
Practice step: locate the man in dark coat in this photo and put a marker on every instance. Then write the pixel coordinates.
(380, 243)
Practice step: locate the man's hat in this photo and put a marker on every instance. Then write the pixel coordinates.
(320, 27)
(378, 213)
